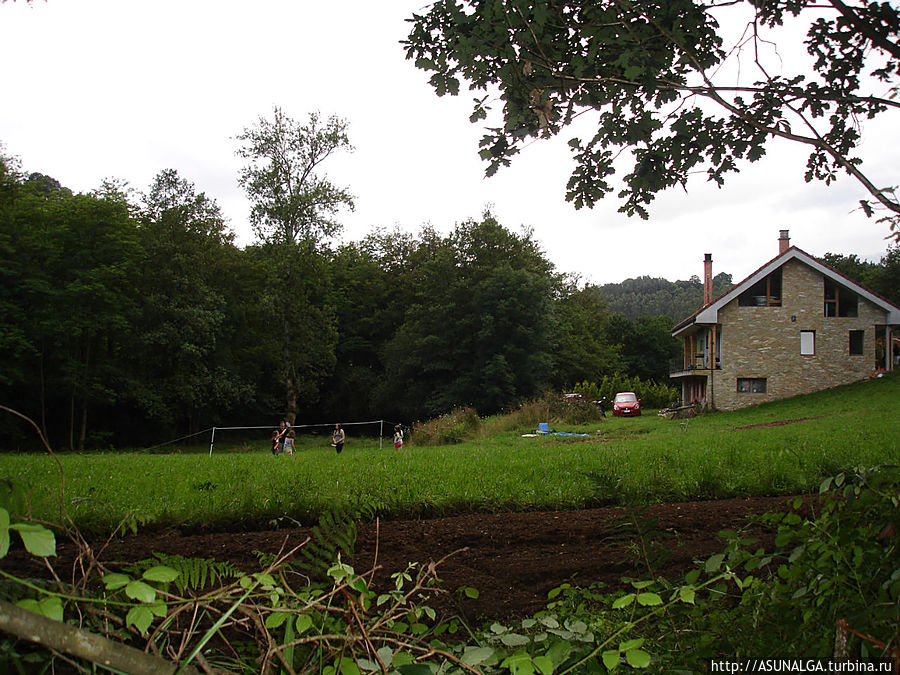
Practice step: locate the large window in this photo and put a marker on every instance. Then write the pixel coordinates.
(857, 339)
(751, 385)
(807, 343)
(839, 301)
(764, 293)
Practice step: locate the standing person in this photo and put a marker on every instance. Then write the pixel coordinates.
(338, 438)
(282, 434)
(398, 436)
(289, 441)
(274, 441)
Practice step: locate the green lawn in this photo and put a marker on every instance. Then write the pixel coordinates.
(637, 460)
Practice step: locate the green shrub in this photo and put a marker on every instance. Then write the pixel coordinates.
(574, 411)
(526, 416)
(652, 394)
(457, 426)
(840, 565)
(551, 408)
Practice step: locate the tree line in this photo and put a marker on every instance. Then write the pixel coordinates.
(127, 318)
(882, 277)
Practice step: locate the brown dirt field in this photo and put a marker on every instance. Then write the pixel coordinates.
(513, 559)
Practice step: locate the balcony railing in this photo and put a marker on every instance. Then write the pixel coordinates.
(683, 364)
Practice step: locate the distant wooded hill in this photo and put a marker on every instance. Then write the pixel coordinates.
(649, 296)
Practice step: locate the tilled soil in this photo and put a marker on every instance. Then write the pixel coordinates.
(512, 559)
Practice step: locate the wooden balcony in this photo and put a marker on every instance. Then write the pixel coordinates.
(696, 364)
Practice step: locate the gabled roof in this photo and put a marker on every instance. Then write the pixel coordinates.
(709, 314)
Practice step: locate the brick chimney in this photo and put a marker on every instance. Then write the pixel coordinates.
(784, 242)
(707, 279)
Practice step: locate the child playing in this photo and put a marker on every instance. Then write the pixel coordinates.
(289, 442)
(275, 441)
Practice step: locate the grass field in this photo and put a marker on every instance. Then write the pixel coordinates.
(639, 460)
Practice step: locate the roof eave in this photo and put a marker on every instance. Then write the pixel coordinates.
(710, 313)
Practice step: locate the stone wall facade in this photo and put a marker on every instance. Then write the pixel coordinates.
(764, 342)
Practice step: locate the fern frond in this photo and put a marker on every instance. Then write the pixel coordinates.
(335, 533)
(195, 573)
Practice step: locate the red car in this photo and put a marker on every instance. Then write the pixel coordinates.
(626, 404)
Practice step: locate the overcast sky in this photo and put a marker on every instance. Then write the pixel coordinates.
(125, 88)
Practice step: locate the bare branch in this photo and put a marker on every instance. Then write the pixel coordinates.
(82, 644)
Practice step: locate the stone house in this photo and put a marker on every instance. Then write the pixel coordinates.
(794, 326)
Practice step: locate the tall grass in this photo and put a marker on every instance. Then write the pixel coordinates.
(621, 461)
(463, 424)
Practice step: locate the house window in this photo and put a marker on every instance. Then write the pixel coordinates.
(764, 293)
(857, 337)
(751, 385)
(807, 343)
(839, 301)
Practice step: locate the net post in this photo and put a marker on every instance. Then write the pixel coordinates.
(212, 439)
(380, 433)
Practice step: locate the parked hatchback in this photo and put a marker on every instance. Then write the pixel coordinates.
(626, 404)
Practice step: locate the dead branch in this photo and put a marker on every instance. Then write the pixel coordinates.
(82, 644)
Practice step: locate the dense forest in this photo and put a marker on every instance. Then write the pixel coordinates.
(128, 318)
(649, 296)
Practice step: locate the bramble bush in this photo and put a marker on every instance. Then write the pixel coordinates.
(836, 572)
(464, 424)
(830, 587)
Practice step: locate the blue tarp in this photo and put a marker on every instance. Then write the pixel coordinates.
(547, 432)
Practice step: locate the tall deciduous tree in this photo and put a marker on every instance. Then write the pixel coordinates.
(851, 265)
(292, 200)
(362, 294)
(478, 330)
(646, 345)
(15, 338)
(293, 212)
(653, 74)
(184, 246)
(96, 301)
(582, 349)
(885, 278)
(68, 301)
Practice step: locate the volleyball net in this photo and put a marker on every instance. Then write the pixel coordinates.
(249, 437)
(372, 429)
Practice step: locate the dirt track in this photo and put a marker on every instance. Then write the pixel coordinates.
(513, 559)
